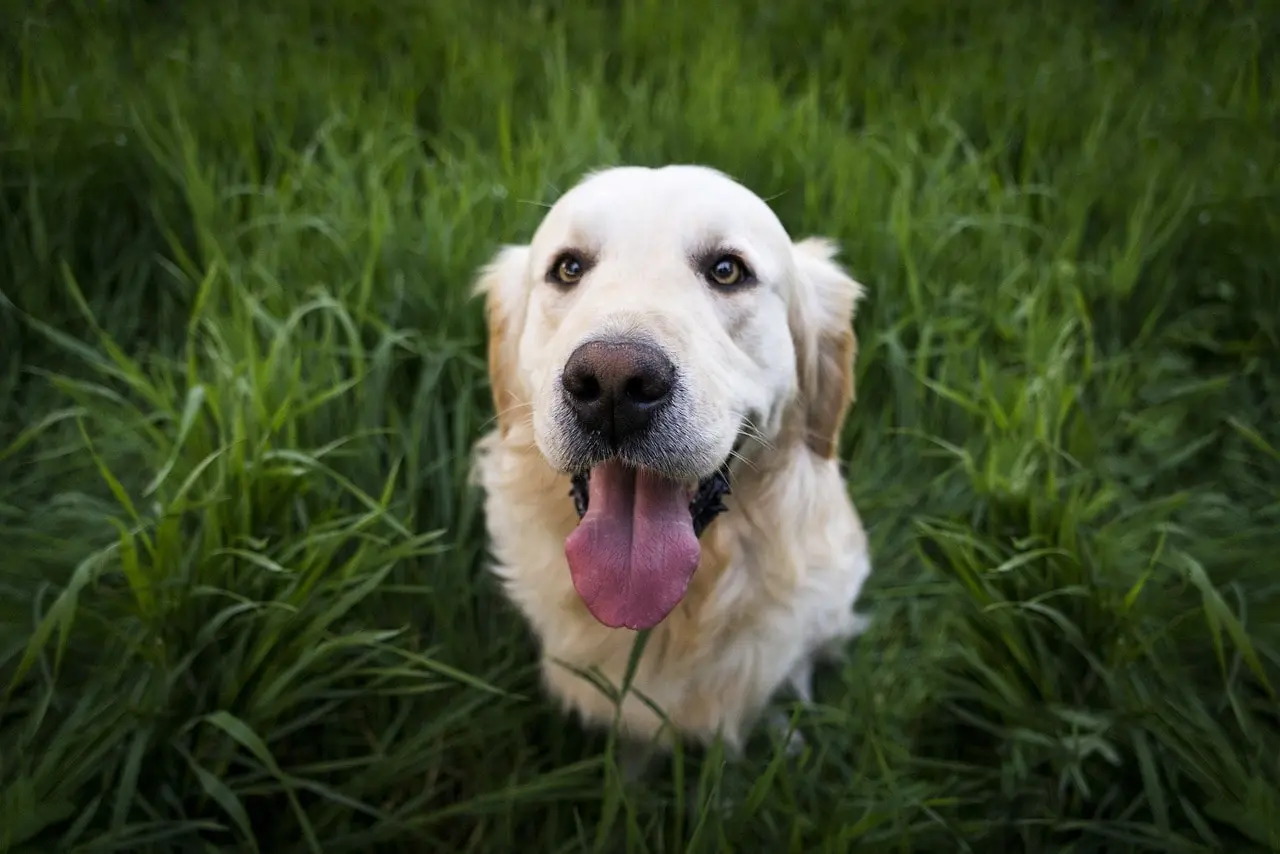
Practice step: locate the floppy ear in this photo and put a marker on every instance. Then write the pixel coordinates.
(502, 284)
(821, 320)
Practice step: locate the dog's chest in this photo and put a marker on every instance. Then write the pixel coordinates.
(770, 585)
(718, 655)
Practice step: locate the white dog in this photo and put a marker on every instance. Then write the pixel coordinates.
(660, 344)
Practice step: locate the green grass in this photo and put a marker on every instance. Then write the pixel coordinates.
(242, 597)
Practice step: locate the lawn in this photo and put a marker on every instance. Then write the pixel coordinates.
(243, 604)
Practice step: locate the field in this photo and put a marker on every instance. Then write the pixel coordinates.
(243, 604)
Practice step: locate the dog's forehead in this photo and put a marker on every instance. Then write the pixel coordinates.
(689, 204)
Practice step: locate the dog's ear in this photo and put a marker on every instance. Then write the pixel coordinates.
(821, 320)
(502, 284)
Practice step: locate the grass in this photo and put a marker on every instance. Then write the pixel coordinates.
(242, 600)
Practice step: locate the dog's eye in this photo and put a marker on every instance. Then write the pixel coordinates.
(568, 269)
(727, 272)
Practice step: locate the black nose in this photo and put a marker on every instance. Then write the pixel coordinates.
(615, 388)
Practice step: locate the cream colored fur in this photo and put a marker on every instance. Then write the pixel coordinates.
(781, 570)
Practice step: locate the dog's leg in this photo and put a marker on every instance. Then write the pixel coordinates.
(836, 649)
(858, 624)
(800, 681)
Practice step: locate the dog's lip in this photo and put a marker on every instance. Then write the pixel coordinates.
(582, 469)
(704, 494)
(705, 500)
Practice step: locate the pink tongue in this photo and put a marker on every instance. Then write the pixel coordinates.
(633, 553)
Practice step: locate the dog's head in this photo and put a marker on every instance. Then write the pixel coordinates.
(658, 319)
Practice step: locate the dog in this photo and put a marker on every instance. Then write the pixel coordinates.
(670, 374)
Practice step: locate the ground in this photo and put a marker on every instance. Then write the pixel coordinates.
(242, 600)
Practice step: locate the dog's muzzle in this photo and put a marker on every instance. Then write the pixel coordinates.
(706, 505)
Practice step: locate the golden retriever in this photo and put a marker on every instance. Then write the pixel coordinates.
(671, 373)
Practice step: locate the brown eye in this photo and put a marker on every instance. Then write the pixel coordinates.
(567, 270)
(727, 271)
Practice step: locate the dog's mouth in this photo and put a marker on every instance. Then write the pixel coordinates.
(636, 546)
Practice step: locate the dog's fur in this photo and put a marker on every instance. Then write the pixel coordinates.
(780, 571)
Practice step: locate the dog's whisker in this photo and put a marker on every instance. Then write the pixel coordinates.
(758, 436)
(755, 433)
(746, 461)
(519, 407)
(511, 411)
(777, 195)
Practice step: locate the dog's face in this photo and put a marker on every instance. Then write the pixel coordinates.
(657, 320)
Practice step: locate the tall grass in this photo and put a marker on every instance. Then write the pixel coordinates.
(243, 604)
